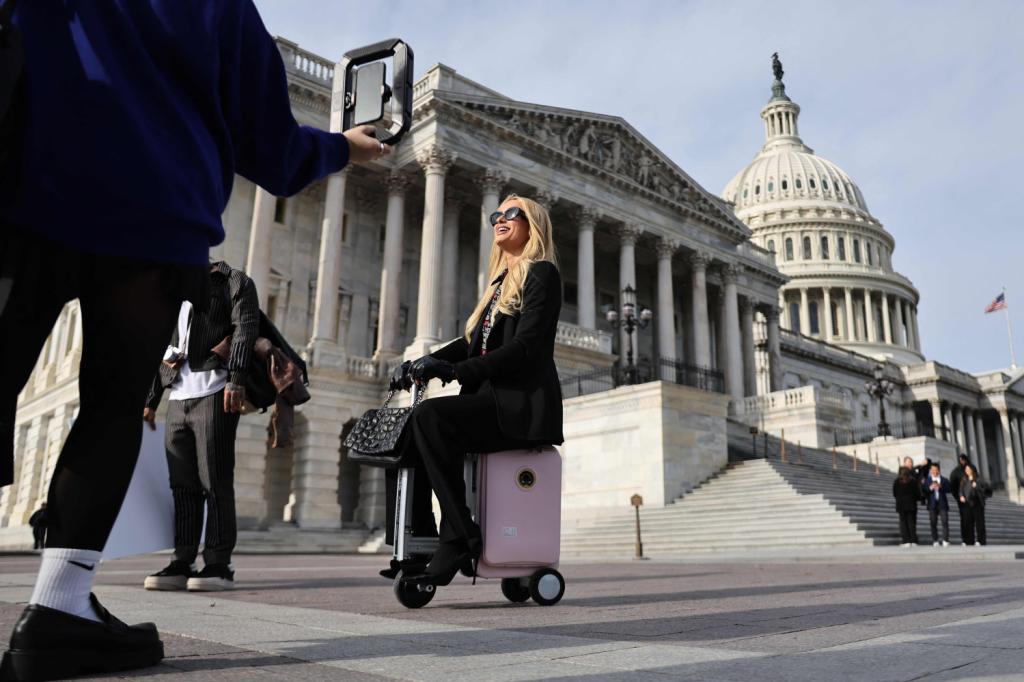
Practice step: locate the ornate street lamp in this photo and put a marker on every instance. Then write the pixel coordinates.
(630, 323)
(880, 387)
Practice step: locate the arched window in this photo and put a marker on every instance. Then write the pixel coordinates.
(789, 248)
(810, 181)
(807, 248)
(824, 184)
(744, 192)
(771, 245)
(794, 317)
(842, 248)
(771, 186)
(785, 185)
(815, 327)
(867, 250)
(798, 185)
(835, 319)
(757, 189)
(824, 247)
(856, 250)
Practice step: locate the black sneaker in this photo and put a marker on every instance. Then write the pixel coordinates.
(52, 645)
(174, 577)
(213, 578)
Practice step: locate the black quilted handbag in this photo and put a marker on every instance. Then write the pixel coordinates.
(377, 437)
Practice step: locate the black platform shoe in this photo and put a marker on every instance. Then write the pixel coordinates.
(48, 644)
(449, 559)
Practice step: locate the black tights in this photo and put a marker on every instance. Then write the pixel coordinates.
(129, 309)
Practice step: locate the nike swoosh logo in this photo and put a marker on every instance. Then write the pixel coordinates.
(81, 565)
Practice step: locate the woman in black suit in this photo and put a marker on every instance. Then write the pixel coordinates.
(908, 494)
(510, 398)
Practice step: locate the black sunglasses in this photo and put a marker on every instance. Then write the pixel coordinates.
(510, 214)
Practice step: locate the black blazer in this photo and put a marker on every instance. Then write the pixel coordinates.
(519, 368)
(907, 494)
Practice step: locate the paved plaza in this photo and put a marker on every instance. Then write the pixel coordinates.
(880, 614)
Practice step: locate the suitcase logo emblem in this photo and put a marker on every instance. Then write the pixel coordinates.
(526, 478)
(509, 531)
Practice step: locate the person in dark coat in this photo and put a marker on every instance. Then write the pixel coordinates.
(38, 523)
(510, 398)
(972, 494)
(907, 492)
(936, 487)
(955, 477)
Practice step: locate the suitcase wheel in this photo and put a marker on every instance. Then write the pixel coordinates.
(547, 586)
(413, 596)
(514, 590)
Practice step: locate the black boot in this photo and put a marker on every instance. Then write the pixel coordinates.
(48, 644)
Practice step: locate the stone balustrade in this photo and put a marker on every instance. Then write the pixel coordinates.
(580, 337)
(793, 397)
(312, 66)
(757, 254)
(364, 368)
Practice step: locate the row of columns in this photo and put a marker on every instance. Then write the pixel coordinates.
(857, 316)
(965, 428)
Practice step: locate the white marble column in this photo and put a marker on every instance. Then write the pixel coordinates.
(1011, 449)
(261, 236)
(491, 182)
(328, 275)
(747, 347)
(827, 305)
(436, 161)
(628, 235)
(546, 198)
(586, 286)
(699, 293)
(851, 327)
(784, 311)
(391, 273)
(937, 419)
(774, 349)
(869, 318)
(805, 313)
(450, 269)
(665, 318)
(733, 347)
(981, 447)
(960, 434)
(901, 330)
(886, 322)
(917, 330)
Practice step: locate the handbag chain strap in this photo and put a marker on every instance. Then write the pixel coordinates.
(417, 401)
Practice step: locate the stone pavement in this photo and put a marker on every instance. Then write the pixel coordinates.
(943, 616)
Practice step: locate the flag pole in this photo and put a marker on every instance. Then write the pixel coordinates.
(1009, 330)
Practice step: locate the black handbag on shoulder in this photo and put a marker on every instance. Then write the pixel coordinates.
(12, 85)
(377, 437)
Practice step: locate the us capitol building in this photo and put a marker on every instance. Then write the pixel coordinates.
(773, 305)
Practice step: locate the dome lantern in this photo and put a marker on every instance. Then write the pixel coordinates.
(780, 115)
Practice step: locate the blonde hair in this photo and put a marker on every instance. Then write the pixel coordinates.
(539, 247)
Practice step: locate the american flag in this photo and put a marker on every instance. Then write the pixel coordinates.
(998, 304)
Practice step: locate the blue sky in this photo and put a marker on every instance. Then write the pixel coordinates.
(921, 102)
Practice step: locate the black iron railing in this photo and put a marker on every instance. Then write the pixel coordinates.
(662, 369)
(866, 434)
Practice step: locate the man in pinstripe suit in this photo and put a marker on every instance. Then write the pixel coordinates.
(206, 396)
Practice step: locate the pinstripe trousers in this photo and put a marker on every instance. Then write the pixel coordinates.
(200, 442)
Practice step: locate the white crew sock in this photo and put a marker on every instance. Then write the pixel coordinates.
(65, 581)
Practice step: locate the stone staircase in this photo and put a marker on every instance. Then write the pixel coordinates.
(285, 538)
(770, 504)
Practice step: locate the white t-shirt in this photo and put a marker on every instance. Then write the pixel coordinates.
(191, 384)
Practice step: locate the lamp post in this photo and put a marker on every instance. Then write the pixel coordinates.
(880, 387)
(630, 323)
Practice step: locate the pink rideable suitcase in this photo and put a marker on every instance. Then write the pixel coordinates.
(519, 509)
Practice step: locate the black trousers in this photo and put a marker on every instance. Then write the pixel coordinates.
(443, 430)
(39, 537)
(200, 441)
(974, 524)
(962, 515)
(908, 526)
(129, 309)
(933, 515)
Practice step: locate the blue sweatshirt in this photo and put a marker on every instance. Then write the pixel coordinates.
(139, 114)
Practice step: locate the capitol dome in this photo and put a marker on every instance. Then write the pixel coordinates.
(842, 287)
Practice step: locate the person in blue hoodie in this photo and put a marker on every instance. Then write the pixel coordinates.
(936, 488)
(137, 116)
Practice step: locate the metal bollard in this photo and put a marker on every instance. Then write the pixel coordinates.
(878, 469)
(637, 501)
(855, 459)
(799, 452)
(782, 445)
(833, 458)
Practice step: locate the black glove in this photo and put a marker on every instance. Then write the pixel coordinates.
(427, 368)
(401, 379)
